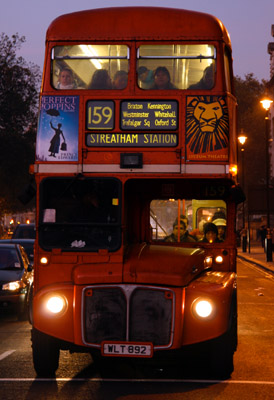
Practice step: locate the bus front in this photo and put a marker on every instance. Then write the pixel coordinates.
(135, 171)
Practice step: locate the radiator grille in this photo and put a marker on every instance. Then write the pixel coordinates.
(137, 314)
(105, 315)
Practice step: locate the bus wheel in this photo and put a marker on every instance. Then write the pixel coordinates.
(221, 360)
(222, 351)
(45, 352)
(23, 312)
(30, 303)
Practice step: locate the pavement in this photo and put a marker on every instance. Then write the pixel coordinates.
(257, 256)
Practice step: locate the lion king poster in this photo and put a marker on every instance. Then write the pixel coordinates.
(57, 134)
(207, 128)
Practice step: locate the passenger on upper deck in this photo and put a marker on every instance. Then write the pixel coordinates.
(100, 80)
(207, 80)
(162, 79)
(120, 80)
(145, 78)
(66, 79)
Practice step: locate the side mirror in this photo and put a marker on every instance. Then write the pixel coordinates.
(237, 194)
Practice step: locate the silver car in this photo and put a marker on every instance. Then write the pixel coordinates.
(16, 277)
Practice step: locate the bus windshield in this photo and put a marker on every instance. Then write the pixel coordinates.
(80, 214)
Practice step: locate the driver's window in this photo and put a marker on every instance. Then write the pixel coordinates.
(186, 221)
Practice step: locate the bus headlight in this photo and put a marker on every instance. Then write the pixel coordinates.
(56, 304)
(203, 308)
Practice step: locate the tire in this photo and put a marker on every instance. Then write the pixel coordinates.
(221, 359)
(223, 348)
(45, 352)
(22, 314)
(30, 303)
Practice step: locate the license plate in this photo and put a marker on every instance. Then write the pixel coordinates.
(127, 349)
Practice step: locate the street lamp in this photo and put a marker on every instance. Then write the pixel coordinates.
(242, 139)
(266, 103)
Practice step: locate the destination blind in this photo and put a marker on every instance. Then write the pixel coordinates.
(149, 115)
(131, 139)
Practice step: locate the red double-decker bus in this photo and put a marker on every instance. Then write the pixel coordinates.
(136, 189)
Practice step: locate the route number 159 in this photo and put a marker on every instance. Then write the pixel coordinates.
(100, 115)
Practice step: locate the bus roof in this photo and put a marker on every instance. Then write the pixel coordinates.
(137, 23)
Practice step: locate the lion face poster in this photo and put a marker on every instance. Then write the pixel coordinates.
(207, 128)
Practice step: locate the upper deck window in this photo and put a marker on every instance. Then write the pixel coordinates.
(90, 66)
(176, 66)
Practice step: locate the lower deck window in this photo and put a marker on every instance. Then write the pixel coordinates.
(183, 220)
(80, 214)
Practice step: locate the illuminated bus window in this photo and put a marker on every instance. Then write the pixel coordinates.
(227, 61)
(187, 221)
(176, 66)
(95, 67)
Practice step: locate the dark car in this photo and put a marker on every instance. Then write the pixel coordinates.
(16, 277)
(28, 245)
(24, 231)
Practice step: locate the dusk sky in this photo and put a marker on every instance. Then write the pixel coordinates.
(248, 22)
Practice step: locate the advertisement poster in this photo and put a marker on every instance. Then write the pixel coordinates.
(57, 134)
(207, 128)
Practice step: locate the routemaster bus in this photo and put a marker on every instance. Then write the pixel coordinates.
(135, 169)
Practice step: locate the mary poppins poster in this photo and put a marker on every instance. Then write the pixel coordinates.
(57, 135)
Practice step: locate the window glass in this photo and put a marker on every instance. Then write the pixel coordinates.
(9, 259)
(176, 66)
(98, 67)
(227, 71)
(183, 220)
(80, 214)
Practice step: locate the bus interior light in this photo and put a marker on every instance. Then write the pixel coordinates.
(131, 160)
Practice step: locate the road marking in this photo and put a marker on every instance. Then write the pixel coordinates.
(6, 354)
(255, 303)
(257, 267)
(203, 381)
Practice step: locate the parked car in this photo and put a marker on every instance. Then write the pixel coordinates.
(28, 245)
(24, 231)
(16, 277)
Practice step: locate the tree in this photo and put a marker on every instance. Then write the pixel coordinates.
(249, 92)
(19, 88)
